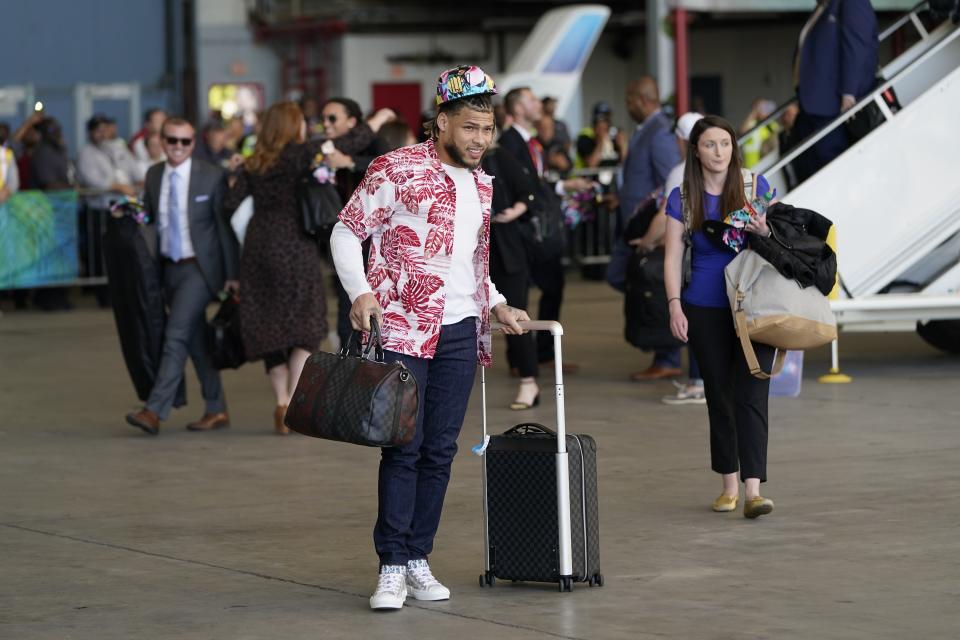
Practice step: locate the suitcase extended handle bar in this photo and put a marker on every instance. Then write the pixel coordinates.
(563, 470)
(552, 326)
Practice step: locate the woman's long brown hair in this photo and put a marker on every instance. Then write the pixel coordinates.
(733, 197)
(281, 126)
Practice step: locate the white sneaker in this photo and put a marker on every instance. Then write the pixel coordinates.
(391, 588)
(686, 394)
(421, 583)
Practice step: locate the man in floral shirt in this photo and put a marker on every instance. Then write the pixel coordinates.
(426, 209)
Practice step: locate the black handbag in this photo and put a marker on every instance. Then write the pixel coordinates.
(350, 398)
(549, 233)
(224, 342)
(319, 205)
(870, 117)
(639, 222)
(645, 305)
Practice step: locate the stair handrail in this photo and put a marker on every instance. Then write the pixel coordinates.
(875, 96)
(911, 16)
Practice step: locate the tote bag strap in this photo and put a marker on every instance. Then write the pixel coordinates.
(752, 363)
(749, 184)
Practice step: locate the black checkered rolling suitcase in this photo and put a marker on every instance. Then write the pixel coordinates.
(540, 499)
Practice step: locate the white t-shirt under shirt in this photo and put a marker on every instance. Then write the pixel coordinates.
(462, 282)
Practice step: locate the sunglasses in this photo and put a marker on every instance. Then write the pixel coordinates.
(331, 119)
(172, 141)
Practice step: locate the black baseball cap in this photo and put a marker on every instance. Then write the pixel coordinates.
(602, 110)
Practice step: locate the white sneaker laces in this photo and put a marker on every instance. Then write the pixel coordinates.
(390, 583)
(420, 572)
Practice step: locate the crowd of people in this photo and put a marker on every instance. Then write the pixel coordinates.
(430, 245)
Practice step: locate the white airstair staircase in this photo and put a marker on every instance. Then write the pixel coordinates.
(894, 196)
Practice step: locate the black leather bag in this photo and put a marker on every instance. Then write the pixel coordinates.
(639, 222)
(349, 398)
(870, 117)
(224, 342)
(319, 205)
(549, 234)
(645, 305)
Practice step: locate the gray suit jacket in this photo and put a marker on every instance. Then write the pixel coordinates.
(214, 242)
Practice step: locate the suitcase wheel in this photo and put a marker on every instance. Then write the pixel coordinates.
(596, 580)
(487, 580)
(566, 584)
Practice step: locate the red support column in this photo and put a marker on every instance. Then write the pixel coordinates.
(680, 61)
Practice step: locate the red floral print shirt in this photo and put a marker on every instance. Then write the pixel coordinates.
(406, 204)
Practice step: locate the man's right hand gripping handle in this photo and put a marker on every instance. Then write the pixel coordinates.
(364, 306)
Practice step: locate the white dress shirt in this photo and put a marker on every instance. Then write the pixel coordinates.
(163, 219)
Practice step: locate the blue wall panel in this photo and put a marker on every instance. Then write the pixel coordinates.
(55, 44)
(60, 42)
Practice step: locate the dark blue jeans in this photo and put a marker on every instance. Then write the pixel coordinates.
(414, 478)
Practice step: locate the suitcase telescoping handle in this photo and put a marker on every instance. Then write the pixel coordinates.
(563, 469)
(556, 330)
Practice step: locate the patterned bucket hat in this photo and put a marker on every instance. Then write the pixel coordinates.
(463, 81)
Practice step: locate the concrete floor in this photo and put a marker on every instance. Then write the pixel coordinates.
(107, 533)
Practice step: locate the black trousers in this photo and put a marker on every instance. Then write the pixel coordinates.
(549, 277)
(521, 350)
(736, 400)
(824, 151)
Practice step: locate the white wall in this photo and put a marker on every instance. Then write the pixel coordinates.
(221, 12)
(752, 60)
(365, 61)
(606, 77)
(731, 53)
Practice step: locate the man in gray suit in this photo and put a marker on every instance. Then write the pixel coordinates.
(198, 254)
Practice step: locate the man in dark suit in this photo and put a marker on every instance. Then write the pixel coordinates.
(198, 255)
(651, 153)
(834, 67)
(525, 109)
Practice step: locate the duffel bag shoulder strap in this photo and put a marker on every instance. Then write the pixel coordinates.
(740, 317)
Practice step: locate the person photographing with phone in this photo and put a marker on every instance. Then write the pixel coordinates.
(714, 185)
(426, 209)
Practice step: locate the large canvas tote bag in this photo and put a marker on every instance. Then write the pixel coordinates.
(770, 309)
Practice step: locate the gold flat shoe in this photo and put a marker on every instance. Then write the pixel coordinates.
(756, 507)
(725, 503)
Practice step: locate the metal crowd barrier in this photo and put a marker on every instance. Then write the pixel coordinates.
(591, 241)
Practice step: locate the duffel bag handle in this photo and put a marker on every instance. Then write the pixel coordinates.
(374, 342)
(525, 428)
(754, 365)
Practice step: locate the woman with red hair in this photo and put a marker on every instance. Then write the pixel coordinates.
(283, 310)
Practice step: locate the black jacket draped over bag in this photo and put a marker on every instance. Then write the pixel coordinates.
(797, 246)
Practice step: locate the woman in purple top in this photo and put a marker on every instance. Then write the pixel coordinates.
(713, 186)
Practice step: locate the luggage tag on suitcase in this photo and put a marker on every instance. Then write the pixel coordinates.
(481, 448)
